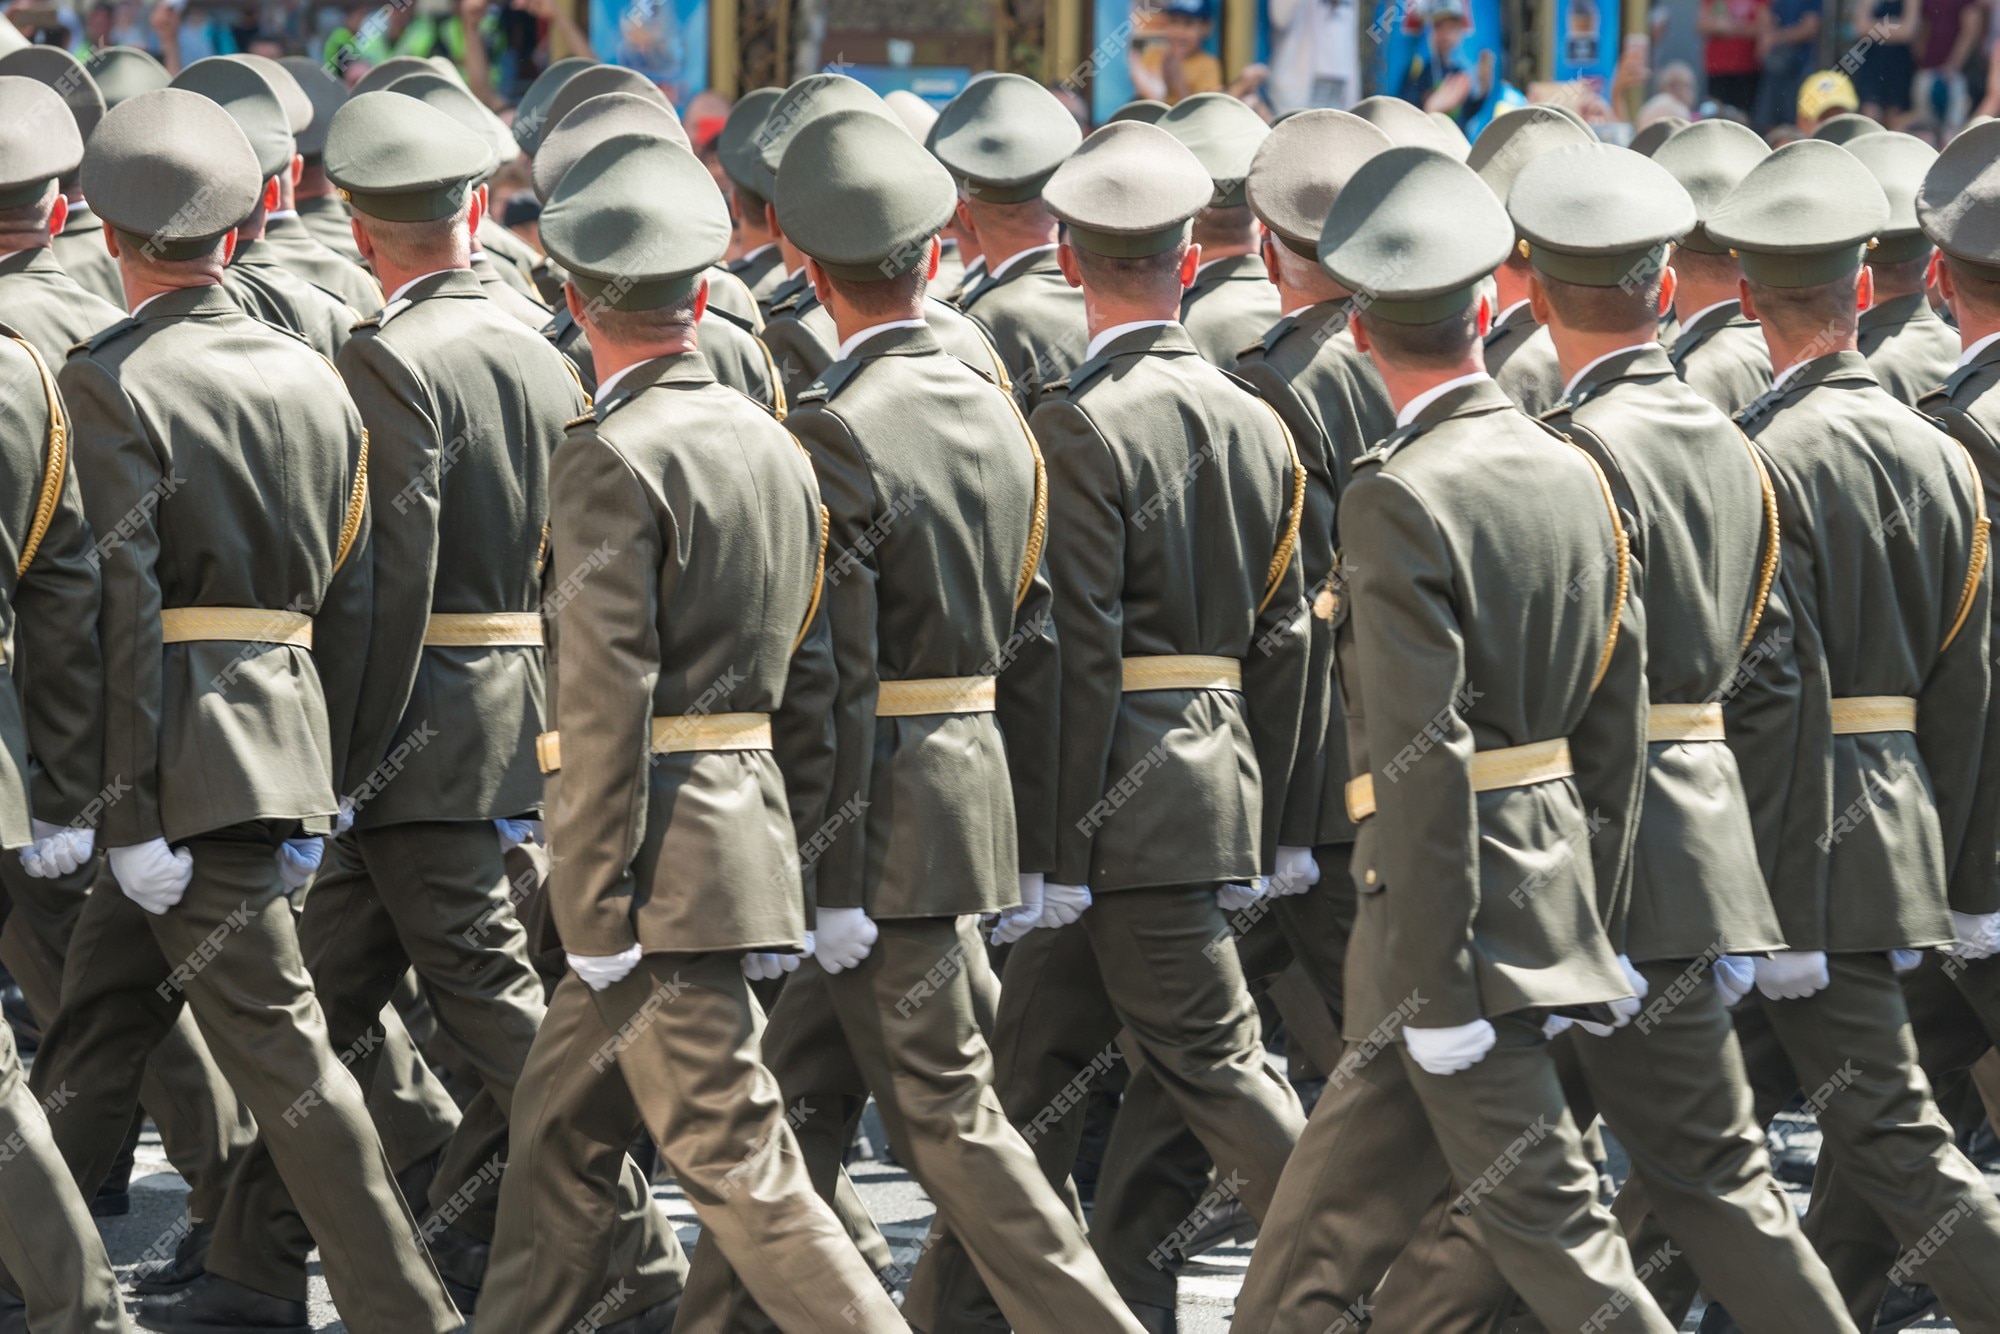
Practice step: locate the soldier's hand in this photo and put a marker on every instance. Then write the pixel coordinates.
(1734, 976)
(769, 967)
(345, 820)
(600, 971)
(1234, 898)
(1905, 961)
(58, 849)
(843, 938)
(151, 874)
(1446, 1051)
(1623, 1010)
(1063, 904)
(513, 833)
(1978, 934)
(1295, 872)
(1019, 921)
(298, 861)
(1792, 974)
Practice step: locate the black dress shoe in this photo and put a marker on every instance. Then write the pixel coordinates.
(187, 1264)
(655, 1320)
(214, 1305)
(1154, 1319)
(1904, 1305)
(461, 1263)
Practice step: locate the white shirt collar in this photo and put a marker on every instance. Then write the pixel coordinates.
(1007, 265)
(1431, 395)
(752, 254)
(795, 273)
(1098, 343)
(1508, 314)
(4, 257)
(278, 214)
(610, 382)
(1965, 358)
(147, 302)
(846, 349)
(397, 295)
(1718, 305)
(1778, 380)
(1595, 362)
(1299, 310)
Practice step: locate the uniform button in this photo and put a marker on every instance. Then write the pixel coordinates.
(1369, 875)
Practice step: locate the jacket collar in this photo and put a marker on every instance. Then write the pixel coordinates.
(1839, 370)
(1896, 311)
(681, 368)
(910, 342)
(1165, 340)
(1042, 261)
(188, 303)
(38, 259)
(1474, 399)
(1225, 270)
(1634, 363)
(1987, 356)
(81, 219)
(449, 283)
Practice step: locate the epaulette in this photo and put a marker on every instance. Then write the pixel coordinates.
(108, 333)
(1083, 374)
(830, 382)
(1543, 422)
(1386, 447)
(553, 329)
(1272, 336)
(786, 305)
(745, 325)
(1560, 408)
(583, 419)
(372, 322)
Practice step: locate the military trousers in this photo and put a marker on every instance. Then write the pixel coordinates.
(675, 1047)
(204, 1126)
(1671, 1086)
(48, 1240)
(229, 951)
(1384, 1134)
(906, 1023)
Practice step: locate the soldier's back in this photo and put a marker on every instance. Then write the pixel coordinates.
(43, 304)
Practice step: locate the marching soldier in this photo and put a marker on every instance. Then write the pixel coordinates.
(1230, 303)
(654, 954)
(120, 72)
(1910, 350)
(1700, 518)
(41, 141)
(1519, 355)
(1720, 351)
(934, 587)
(244, 437)
(1001, 139)
(1520, 681)
(761, 265)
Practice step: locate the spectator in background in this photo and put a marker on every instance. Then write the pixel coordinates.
(1788, 45)
(1167, 57)
(1822, 96)
(1440, 78)
(1676, 80)
(1729, 31)
(1888, 32)
(1952, 30)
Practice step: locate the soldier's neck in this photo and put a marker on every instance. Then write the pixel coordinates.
(11, 242)
(1578, 348)
(1693, 296)
(1789, 349)
(1510, 283)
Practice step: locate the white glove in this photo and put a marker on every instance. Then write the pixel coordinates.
(1978, 934)
(57, 850)
(1063, 904)
(1905, 961)
(845, 935)
(1734, 975)
(600, 971)
(344, 821)
(513, 833)
(298, 859)
(1295, 872)
(769, 967)
(1623, 1010)
(1233, 898)
(1446, 1051)
(153, 875)
(1556, 1025)
(1017, 922)
(1792, 974)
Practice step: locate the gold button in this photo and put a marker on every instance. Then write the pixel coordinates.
(1325, 603)
(1369, 875)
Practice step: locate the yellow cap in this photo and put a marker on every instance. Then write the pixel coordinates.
(1825, 92)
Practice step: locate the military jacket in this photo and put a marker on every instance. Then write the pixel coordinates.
(1174, 505)
(1482, 610)
(329, 222)
(802, 340)
(1229, 307)
(933, 570)
(504, 294)
(1035, 321)
(1868, 837)
(1910, 350)
(464, 407)
(1332, 399)
(731, 299)
(951, 270)
(1721, 355)
(737, 359)
(685, 545)
(268, 291)
(44, 305)
(1700, 517)
(953, 290)
(1521, 358)
(79, 248)
(514, 257)
(218, 459)
(762, 272)
(52, 676)
(298, 250)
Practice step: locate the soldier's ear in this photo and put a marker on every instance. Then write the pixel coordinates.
(1864, 288)
(1485, 318)
(1940, 274)
(700, 300)
(1743, 297)
(1190, 262)
(937, 253)
(1538, 299)
(1066, 261)
(59, 214)
(1670, 282)
(298, 169)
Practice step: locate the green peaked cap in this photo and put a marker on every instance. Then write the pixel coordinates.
(251, 102)
(1224, 135)
(1415, 233)
(1959, 202)
(862, 197)
(1803, 216)
(171, 171)
(402, 160)
(1129, 190)
(1004, 136)
(1598, 216)
(635, 222)
(1898, 162)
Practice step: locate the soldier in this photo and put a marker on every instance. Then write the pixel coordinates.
(1720, 350)
(321, 214)
(217, 609)
(1872, 717)
(655, 955)
(119, 72)
(1001, 139)
(1519, 355)
(1520, 682)
(934, 586)
(759, 262)
(40, 143)
(1231, 303)
(1701, 520)
(1910, 350)
(285, 231)
(463, 408)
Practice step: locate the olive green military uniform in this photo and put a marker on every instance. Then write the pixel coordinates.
(802, 341)
(1703, 552)
(1908, 347)
(45, 305)
(506, 295)
(681, 1031)
(79, 248)
(335, 267)
(934, 586)
(1231, 302)
(1423, 689)
(294, 246)
(216, 606)
(1033, 317)
(1522, 360)
(327, 219)
(1721, 355)
(761, 271)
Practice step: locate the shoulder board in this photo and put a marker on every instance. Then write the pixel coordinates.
(1760, 406)
(1088, 371)
(1241, 383)
(1561, 408)
(372, 323)
(830, 382)
(553, 329)
(734, 318)
(785, 306)
(1272, 337)
(1386, 448)
(108, 333)
(584, 419)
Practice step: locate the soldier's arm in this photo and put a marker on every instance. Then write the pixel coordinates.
(406, 462)
(610, 654)
(1608, 750)
(799, 356)
(802, 730)
(342, 624)
(1955, 731)
(854, 512)
(1410, 657)
(124, 481)
(1274, 687)
(1030, 716)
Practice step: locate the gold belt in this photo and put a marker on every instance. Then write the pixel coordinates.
(1874, 713)
(245, 625)
(1684, 722)
(494, 629)
(1492, 770)
(936, 694)
(679, 733)
(1182, 671)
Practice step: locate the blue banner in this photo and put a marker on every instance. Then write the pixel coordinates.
(665, 40)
